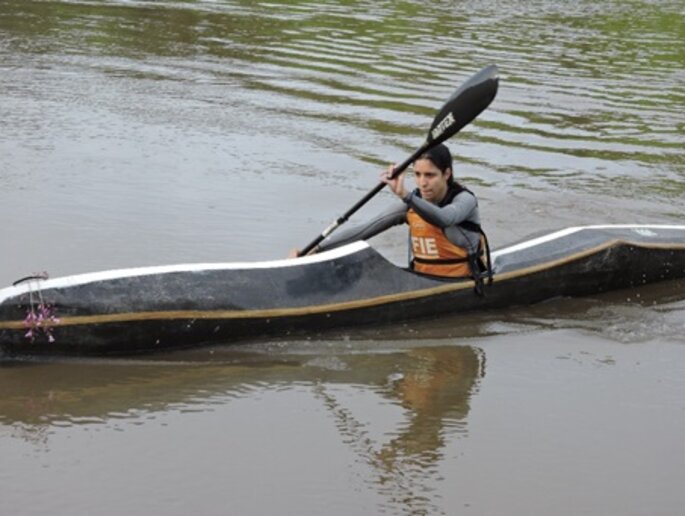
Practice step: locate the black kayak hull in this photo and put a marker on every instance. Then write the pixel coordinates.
(158, 308)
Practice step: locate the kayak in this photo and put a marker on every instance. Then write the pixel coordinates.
(150, 309)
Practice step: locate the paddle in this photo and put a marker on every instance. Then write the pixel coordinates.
(465, 104)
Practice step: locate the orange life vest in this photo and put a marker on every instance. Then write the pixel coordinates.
(433, 253)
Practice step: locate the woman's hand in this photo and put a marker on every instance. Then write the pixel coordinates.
(295, 253)
(396, 184)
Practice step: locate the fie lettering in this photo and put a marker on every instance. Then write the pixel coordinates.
(424, 246)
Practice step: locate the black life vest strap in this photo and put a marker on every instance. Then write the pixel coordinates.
(471, 226)
(479, 268)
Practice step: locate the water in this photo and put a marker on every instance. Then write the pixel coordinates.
(142, 133)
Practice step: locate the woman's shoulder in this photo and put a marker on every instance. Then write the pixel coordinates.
(465, 195)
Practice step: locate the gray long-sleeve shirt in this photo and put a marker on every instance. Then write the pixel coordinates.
(464, 207)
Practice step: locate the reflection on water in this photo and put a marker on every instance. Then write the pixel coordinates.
(430, 386)
(434, 386)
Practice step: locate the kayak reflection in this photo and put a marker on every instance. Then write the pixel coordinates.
(420, 395)
(431, 383)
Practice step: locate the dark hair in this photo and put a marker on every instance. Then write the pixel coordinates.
(441, 157)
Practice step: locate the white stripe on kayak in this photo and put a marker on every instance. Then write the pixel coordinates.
(92, 277)
(569, 231)
(82, 279)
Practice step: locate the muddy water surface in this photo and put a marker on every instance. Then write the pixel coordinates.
(143, 133)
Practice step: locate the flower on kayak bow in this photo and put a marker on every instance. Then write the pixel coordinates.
(41, 319)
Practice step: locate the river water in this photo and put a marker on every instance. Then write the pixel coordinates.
(144, 133)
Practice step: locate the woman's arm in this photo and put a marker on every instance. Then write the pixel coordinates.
(392, 216)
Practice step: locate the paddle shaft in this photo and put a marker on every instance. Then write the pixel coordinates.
(343, 218)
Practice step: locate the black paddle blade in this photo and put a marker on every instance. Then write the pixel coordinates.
(469, 101)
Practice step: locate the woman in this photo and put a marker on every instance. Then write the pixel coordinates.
(444, 223)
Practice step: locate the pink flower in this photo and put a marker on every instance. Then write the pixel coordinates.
(40, 319)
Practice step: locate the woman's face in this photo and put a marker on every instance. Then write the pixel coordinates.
(430, 180)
